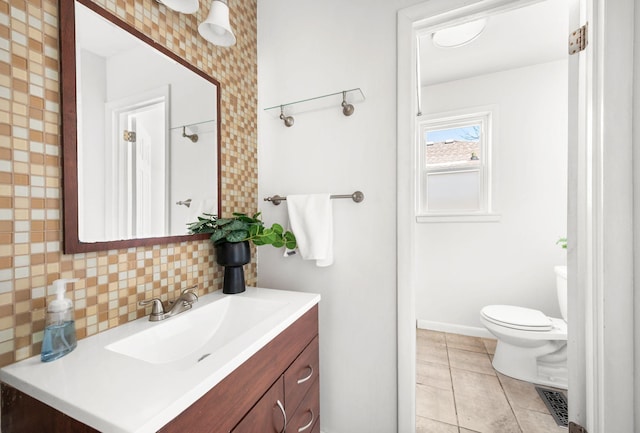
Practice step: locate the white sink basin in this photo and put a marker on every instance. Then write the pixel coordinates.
(196, 333)
(168, 365)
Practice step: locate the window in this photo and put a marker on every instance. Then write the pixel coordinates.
(454, 167)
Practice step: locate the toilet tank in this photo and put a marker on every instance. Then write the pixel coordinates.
(561, 287)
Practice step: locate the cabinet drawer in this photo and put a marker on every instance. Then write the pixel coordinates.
(308, 413)
(266, 416)
(299, 377)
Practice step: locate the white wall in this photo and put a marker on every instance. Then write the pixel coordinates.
(193, 99)
(91, 148)
(460, 267)
(306, 49)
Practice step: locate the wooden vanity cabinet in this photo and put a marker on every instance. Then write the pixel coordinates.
(285, 369)
(286, 359)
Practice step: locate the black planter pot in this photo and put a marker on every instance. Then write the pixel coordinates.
(233, 256)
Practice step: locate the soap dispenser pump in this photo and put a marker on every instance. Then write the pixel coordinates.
(60, 328)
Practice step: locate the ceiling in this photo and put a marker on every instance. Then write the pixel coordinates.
(526, 36)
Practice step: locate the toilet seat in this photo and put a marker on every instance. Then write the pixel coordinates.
(510, 316)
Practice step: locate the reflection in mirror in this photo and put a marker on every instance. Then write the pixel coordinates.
(147, 135)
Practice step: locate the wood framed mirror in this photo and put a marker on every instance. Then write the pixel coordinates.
(140, 135)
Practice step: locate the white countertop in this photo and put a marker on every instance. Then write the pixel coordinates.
(112, 392)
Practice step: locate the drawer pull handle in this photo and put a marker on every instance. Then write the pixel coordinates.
(284, 415)
(304, 427)
(304, 379)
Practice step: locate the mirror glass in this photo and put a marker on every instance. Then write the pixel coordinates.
(146, 137)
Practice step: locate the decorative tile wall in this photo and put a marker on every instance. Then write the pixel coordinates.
(110, 282)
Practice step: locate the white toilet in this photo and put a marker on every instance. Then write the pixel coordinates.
(531, 346)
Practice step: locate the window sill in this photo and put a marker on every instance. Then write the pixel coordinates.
(459, 218)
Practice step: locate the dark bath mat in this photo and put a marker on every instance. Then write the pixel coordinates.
(556, 402)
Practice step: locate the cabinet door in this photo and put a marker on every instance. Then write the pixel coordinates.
(267, 416)
(301, 375)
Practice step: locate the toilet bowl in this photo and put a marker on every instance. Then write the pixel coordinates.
(531, 346)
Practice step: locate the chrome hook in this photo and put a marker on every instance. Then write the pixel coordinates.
(347, 109)
(288, 120)
(192, 137)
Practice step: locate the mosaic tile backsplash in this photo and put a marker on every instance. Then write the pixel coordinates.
(110, 282)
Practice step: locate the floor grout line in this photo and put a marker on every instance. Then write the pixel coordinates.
(453, 390)
(504, 391)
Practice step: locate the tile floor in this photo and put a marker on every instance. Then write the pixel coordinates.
(458, 391)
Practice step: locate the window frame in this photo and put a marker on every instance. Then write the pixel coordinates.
(485, 117)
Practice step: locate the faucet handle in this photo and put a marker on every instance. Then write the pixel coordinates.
(191, 293)
(157, 309)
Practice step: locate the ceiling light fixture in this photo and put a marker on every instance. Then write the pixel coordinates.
(457, 36)
(216, 28)
(182, 6)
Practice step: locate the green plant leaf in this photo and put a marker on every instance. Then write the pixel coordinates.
(277, 228)
(203, 225)
(245, 219)
(217, 235)
(224, 221)
(237, 236)
(290, 240)
(269, 238)
(237, 225)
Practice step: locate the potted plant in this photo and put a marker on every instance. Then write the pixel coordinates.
(231, 236)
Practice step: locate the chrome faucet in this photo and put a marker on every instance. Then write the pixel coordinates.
(183, 303)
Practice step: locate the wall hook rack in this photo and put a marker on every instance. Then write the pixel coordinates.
(343, 100)
(193, 130)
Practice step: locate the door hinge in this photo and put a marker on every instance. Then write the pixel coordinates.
(578, 39)
(575, 428)
(129, 136)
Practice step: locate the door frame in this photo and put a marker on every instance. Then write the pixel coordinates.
(600, 209)
(113, 155)
(601, 217)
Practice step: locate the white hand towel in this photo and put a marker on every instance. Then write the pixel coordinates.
(311, 219)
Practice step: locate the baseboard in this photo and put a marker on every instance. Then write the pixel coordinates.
(452, 328)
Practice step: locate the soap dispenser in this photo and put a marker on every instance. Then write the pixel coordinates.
(60, 328)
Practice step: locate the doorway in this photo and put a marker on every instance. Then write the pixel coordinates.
(600, 214)
(479, 80)
(136, 156)
(491, 186)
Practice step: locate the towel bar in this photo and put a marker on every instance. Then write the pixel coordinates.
(357, 196)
